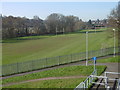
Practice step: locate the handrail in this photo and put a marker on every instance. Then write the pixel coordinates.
(118, 85)
(81, 84)
(112, 73)
(87, 82)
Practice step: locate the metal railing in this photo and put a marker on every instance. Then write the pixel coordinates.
(118, 84)
(90, 80)
(20, 67)
(87, 82)
(106, 80)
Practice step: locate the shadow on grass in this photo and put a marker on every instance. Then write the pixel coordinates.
(84, 31)
(90, 31)
(22, 39)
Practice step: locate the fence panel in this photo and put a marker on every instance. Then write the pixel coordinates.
(37, 64)
(9, 69)
(25, 66)
(75, 57)
(52, 61)
(46, 62)
(63, 59)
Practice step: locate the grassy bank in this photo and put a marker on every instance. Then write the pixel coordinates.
(115, 59)
(58, 83)
(59, 72)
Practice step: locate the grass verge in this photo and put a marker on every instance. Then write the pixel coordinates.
(115, 59)
(59, 72)
(58, 83)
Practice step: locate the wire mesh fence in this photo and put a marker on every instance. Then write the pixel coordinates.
(9, 69)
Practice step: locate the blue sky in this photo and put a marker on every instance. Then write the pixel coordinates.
(84, 10)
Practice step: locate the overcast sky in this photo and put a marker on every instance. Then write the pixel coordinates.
(84, 10)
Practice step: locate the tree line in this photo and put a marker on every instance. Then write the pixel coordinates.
(22, 26)
(55, 23)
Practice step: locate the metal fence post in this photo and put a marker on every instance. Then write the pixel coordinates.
(101, 52)
(58, 60)
(46, 62)
(88, 82)
(106, 83)
(32, 65)
(67, 58)
(84, 85)
(105, 80)
(118, 84)
(17, 68)
(71, 57)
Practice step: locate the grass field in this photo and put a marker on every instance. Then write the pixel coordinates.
(35, 47)
(59, 72)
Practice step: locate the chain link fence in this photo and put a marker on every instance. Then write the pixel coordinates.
(20, 67)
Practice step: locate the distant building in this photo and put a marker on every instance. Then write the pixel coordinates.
(96, 24)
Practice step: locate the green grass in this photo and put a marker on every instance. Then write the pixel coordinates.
(115, 59)
(59, 72)
(25, 49)
(111, 59)
(58, 83)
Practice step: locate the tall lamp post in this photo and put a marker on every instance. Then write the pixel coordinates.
(86, 48)
(114, 42)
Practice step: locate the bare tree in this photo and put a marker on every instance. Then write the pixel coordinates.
(114, 20)
(54, 23)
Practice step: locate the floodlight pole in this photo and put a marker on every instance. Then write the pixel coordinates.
(114, 42)
(86, 48)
